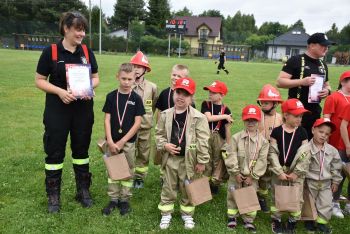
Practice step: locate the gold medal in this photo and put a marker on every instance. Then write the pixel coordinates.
(284, 168)
(120, 130)
(179, 148)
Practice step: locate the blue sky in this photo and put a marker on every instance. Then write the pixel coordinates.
(317, 15)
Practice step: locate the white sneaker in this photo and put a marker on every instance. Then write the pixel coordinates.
(165, 222)
(336, 211)
(189, 224)
(347, 209)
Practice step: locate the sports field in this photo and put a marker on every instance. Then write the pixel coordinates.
(23, 201)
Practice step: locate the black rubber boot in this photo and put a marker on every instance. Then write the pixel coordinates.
(226, 71)
(83, 182)
(53, 188)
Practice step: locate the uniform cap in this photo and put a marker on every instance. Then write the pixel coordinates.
(140, 59)
(294, 107)
(187, 84)
(321, 121)
(251, 112)
(217, 87)
(343, 76)
(320, 38)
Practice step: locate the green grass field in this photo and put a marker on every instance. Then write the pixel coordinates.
(22, 193)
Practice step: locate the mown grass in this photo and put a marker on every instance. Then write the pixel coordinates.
(22, 194)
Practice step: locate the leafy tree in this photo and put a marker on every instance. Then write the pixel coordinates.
(299, 24)
(212, 13)
(344, 35)
(239, 27)
(95, 21)
(183, 12)
(333, 33)
(125, 11)
(136, 31)
(158, 13)
(272, 28)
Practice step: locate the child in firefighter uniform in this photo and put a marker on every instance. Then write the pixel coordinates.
(246, 161)
(268, 99)
(219, 118)
(123, 114)
(286, 165)
(149, 95)
(182, 135)
(324, 174)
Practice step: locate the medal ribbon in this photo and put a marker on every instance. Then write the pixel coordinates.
(212, 113)
(252, 159)
(178, 126)
(123, 115)
(285, 156)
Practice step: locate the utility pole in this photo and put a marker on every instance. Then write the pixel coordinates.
(100, 39)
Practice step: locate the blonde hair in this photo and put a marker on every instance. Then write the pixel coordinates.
(181, 67)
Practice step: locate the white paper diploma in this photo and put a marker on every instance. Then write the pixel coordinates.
(79, 80)
(316, 88)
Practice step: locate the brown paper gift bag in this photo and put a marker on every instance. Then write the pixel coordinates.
(102, 145)
(346, 169)
(308, 211)
(246, 199)
(198, 191)
(287, 198)
(117, 167)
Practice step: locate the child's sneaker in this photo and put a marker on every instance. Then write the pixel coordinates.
(310, 226)
(138, 183)
(276, 226)
(336, 211)
(214, 189)
(110, 207)
(189, 223)
(232, 223)
(322, 228)
(347, 209)
(291, 226)
(124, 207)
(250, 227)
(165, 222)
(263, 205)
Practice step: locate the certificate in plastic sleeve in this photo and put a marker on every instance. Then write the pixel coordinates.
(316, 88)
(79, 81)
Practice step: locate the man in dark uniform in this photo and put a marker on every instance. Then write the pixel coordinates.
(222, 60)
(296, 75)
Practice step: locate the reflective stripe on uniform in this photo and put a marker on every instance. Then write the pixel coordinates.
(263, 191)
(80, 161)
(141, 169)
(295, 214)
(166, 208)
(110, 181)
(232, 211)
(126, 183)
(187, 208)
(321, 220)
(273, 209)
(252, 214)
(53, 167)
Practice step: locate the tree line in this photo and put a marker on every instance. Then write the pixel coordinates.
(146, 23)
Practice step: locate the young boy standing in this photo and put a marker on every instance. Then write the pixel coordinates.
(246, 161)
(149, 95)
(323, 176)
(165, 100)
(182, 136)
(268, 99)
(285, 165)
(219, 118)
(123, 114)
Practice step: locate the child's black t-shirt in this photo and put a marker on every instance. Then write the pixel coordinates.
(134, 108)
(299, 137)
(178, 130)
(207, 107)
(166, 100)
